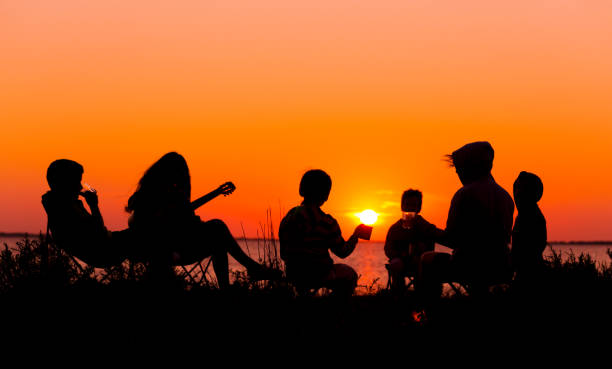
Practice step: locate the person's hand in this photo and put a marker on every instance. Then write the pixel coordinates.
(91, 197)
(361, 231)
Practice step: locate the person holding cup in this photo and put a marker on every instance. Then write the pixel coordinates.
(407, 240)
(307, 235)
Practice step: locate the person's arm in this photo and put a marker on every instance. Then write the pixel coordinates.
(543, 241)
(390, 250)
(430, 231)
(342, 248)
(225, 189)
(447, 237)
(91, 198)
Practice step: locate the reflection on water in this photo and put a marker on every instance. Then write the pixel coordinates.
(369, 258)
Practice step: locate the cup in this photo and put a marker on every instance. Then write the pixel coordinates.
(365, 232)
(408, 219)
(87, 187)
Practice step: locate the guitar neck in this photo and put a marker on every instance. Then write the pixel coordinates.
(204, 199)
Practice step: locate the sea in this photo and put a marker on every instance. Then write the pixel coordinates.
(369, 258)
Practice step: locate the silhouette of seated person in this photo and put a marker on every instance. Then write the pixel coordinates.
(405, 244)
(168, 231)
(75, 230)
(478, 229)
(529, 233)
(307, 235)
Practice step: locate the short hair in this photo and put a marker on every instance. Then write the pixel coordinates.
(530, 185)
(315, 185)
(412, 193)
(62, 172)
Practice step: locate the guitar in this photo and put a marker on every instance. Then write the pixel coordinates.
(225, 189)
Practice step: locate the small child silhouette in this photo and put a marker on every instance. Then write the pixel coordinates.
(529, 232)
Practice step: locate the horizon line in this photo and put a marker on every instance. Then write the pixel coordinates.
(556, 242)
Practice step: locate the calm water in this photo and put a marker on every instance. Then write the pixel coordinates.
(369, 258)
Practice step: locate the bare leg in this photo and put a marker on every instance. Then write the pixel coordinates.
(217, 242)
(221, 235)
(221, 267)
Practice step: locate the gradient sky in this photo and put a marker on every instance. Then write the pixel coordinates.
(258, 92)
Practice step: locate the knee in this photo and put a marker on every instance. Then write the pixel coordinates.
(346, 273)
(428, 257)
(216, 224)
(396, 266)
(216, 228)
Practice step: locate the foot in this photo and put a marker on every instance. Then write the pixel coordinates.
(264, 273)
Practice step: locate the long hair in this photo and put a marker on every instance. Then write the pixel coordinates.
(166, 178)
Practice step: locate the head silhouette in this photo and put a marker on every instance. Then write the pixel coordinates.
(528, 190)
(473, 161)
(315, 187)
(64, 176)
(412, 200)
(168, 176)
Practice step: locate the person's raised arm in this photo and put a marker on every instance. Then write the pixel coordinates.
(91, 198)
(96, 220)
(430, 231)
(343, 248)
(225, 189)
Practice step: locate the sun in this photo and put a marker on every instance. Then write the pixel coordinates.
(367, 217)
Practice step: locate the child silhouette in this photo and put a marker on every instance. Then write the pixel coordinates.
(406, 241)
(529, 232)
(307, 235)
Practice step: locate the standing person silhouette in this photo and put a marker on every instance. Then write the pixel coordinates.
(478, 229)
(163, 219)
(529, 232)
(306, 236)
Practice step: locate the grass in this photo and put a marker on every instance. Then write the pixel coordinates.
(574, 294)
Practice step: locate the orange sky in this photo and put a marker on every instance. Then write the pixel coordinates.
(257, 92)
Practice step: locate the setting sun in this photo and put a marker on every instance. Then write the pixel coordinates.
(368, 217)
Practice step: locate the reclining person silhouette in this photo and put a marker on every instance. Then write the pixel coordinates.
(306, 236)
(478, 229)
(169, 233)
(80, 233)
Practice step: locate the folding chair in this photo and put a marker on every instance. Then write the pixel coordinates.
(410, 277)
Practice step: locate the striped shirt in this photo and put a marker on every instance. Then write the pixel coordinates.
(306, 235)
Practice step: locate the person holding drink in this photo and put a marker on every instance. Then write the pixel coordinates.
(77, 231)
(406, 241)
(307, 235)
